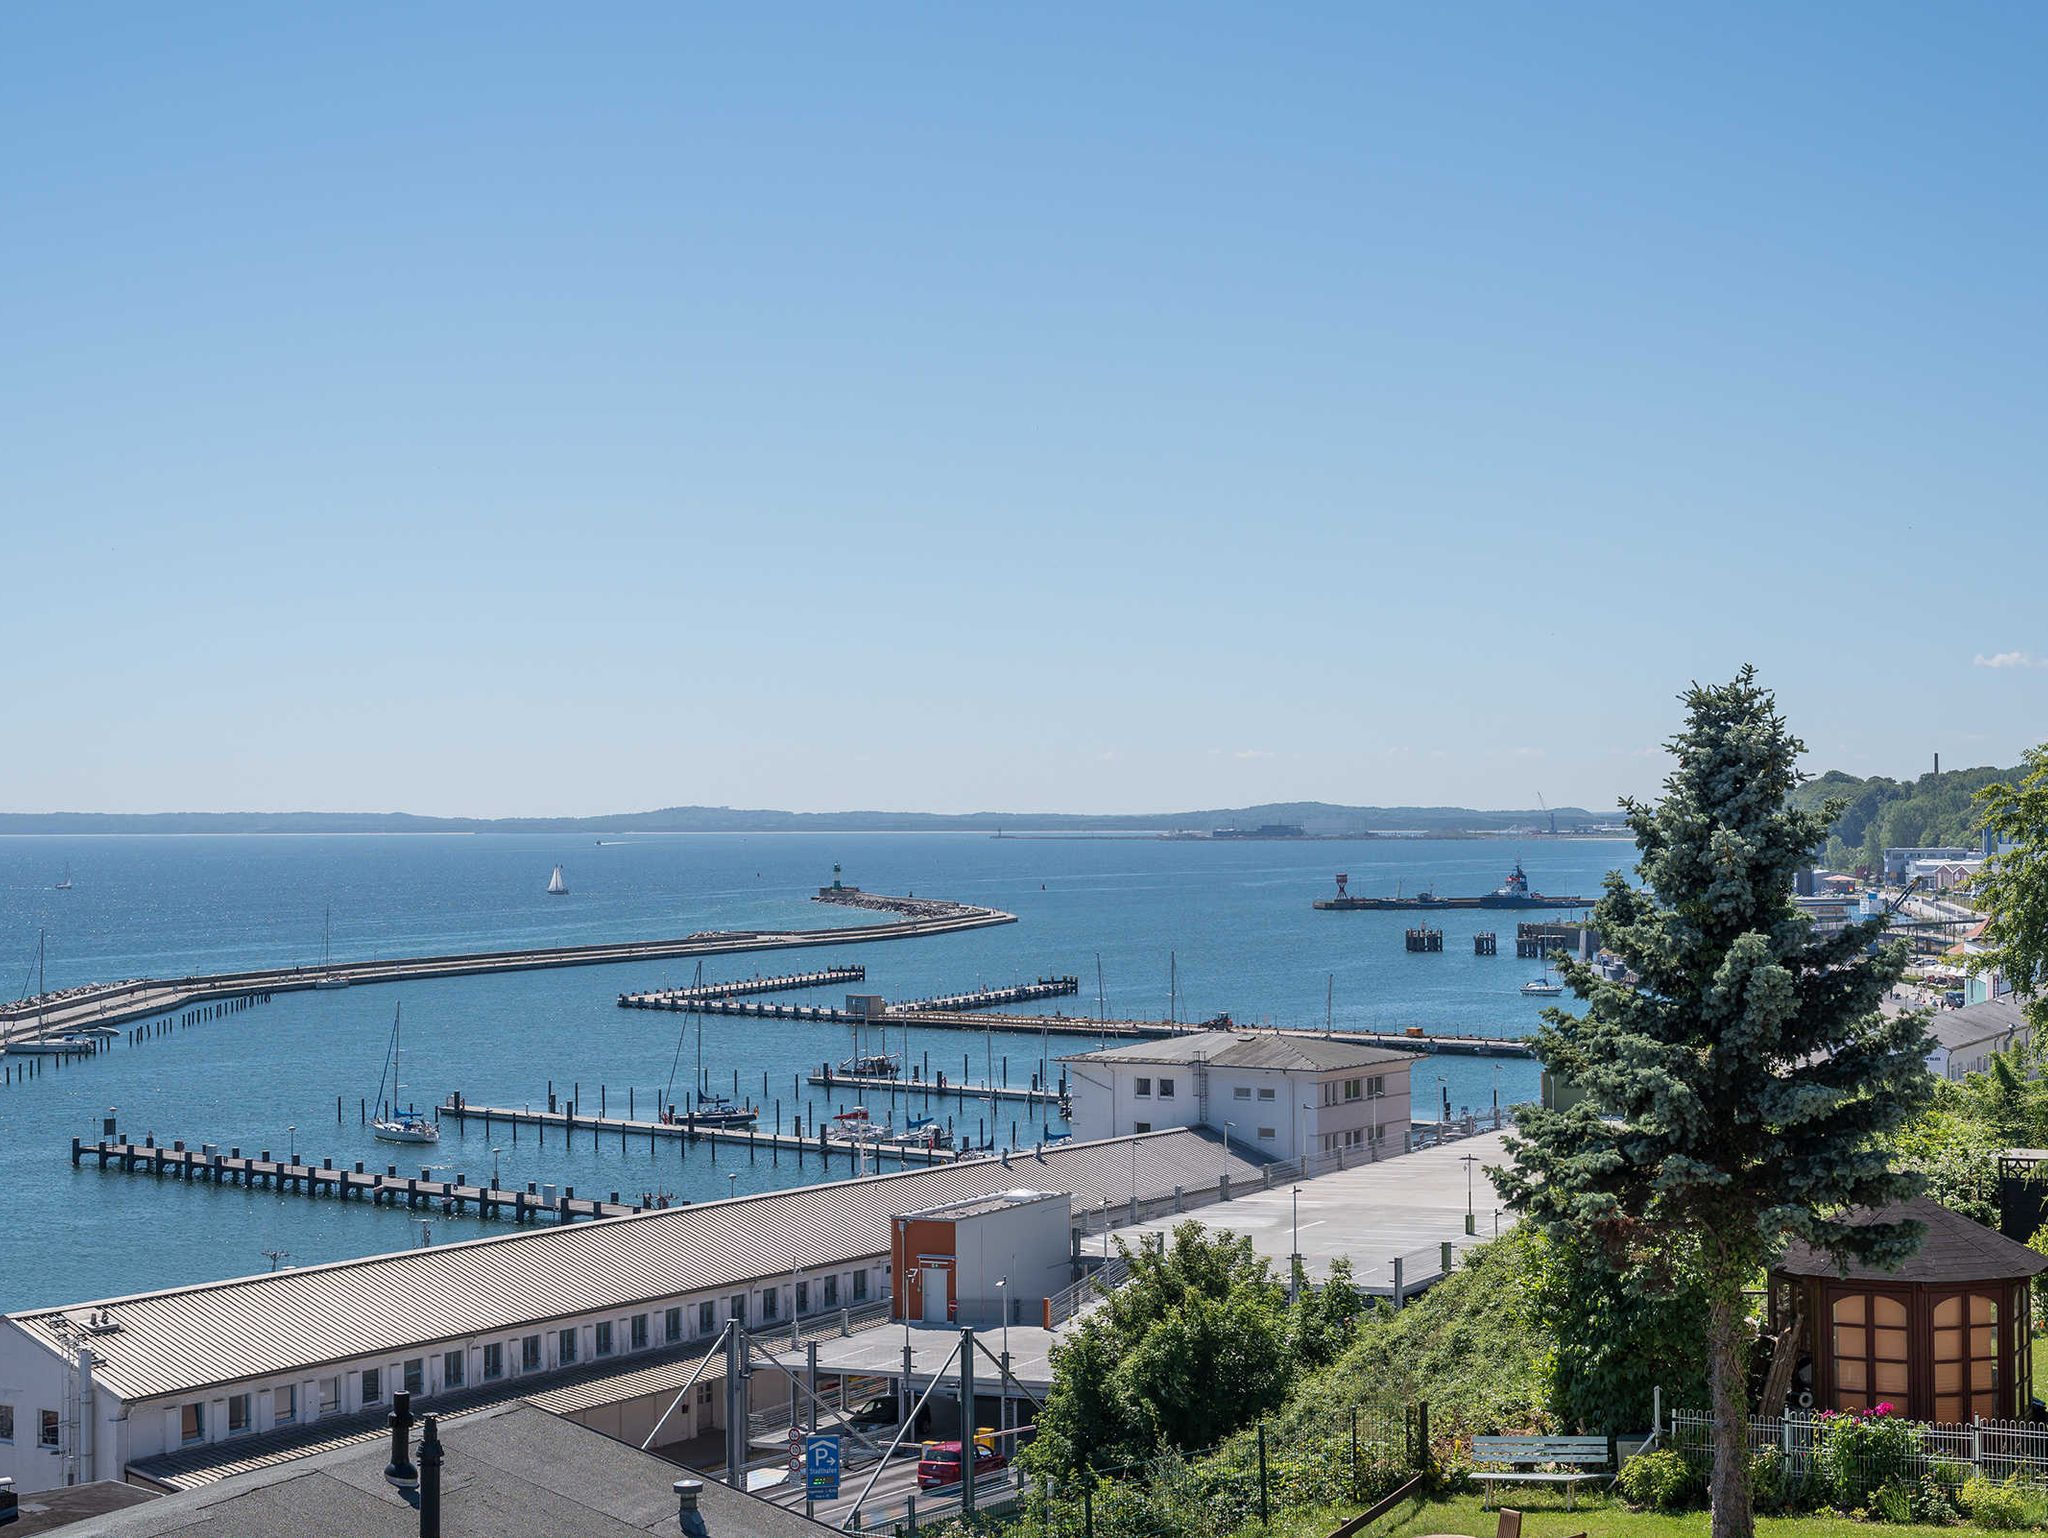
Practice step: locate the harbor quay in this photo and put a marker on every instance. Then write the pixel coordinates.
(695, 1327)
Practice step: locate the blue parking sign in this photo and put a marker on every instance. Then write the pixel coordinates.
(821, 1468)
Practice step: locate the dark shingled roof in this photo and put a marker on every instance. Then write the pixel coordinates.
(1954, 1249)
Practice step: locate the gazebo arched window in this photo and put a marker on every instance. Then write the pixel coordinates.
(1967, 1353)
(1873, 1356)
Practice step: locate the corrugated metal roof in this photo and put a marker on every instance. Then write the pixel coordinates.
(174, 1341)
(1295, 1050)
(1991, 1020)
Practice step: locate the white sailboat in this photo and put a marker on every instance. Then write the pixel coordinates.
(65, 884)
(557, 887)
(393, 1125)
(327, 978)
(43, 1042)
(1546, 986)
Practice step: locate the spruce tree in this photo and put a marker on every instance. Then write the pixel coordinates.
(1742, 1091)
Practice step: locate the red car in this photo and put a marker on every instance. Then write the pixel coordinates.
(940, 1464)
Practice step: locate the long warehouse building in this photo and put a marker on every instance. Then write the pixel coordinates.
(182, 1386)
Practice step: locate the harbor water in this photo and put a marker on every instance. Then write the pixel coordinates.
(1210, 927)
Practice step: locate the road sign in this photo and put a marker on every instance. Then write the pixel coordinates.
(821, 1468)
(796, 1449)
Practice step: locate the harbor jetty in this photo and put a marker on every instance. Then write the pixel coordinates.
(700, 999)
(936, 1087)
(385, 1188)
(685, 1128)
(136, 999)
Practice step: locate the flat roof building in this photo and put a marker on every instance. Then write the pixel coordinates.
(1286, 1094)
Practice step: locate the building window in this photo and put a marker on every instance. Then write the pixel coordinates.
(453, 1368)
(1375, 1086)
(238, 1413)
(416, 1376)
(1267, 1134)
(672, 1325)
(1141, 1126)
(639, 1332)
(191, 1423)
(7, 1423)
(803, 1297)
(1166, 1089)
(330, 1395)
(704, 1395)
(529, 1354)
(1871, 1359)
(494, 1360)
(373, 1385)
(1143, 1090)
(1265, 1093)
(284, 1405)
(707, 1317)
(768, 1303)
(47, 1428)
(1965, 1357)
(831, 1292)
(860, 1286)
(1242, 1092)
(565, 1346)
(1355, 1138)
(736, 1310)
(603, 1333)
(1353, 1088)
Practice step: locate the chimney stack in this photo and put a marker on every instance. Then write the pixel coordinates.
(688, 1517)
(431, 1458)
(399, 1471)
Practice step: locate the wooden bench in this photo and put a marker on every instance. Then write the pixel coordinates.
(1566, 1461)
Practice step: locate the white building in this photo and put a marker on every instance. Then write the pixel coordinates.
(1898, 863)
(1964, 1039)
(1282, 1093)
(178, 1387)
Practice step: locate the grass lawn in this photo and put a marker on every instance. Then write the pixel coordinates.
(1544, 1516)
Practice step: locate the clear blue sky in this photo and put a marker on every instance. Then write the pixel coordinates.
(550, 409)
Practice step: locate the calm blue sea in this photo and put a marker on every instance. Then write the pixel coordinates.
(1233, 919)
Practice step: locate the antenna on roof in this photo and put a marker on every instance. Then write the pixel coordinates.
(277, 1257)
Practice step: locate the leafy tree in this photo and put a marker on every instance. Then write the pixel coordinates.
(1208, 1367)
(1621, 1329)
(2014, 886)
(1741, 1092)
(1322, 1320)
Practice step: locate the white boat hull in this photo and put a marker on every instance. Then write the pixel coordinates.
(395, 1132)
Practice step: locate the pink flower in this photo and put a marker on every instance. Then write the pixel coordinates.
(1883, 1408)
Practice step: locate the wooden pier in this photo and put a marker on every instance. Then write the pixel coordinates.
(709, 1000)
(386, 1188)
(119, 1003)
(937, 1087)
(943, 1019)
(1448, 1045)
(676, 998)
(687, 1129)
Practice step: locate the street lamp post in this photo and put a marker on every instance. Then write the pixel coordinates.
(1471, 1220)
(732, 1183)
(497, 1184)
(292, 1143)
(1294, 1270)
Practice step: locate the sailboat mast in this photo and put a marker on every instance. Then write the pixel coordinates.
(42, 991)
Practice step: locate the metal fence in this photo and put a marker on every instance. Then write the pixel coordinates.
(1997, 1449)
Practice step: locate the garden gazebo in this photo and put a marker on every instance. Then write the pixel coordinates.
(1943, 1338)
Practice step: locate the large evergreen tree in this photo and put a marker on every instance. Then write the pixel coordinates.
(1742, 1092)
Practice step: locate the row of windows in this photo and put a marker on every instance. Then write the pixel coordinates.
(1244, 1092)
(47, 1426)
(605, 1341)
(1143, 1089)
(1348, 1090)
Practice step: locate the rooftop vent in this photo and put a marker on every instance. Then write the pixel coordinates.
(688, 1517)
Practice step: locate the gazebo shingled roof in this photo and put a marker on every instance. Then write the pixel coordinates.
(1954, 1249)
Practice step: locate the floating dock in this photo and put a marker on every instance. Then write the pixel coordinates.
(937, 1087)
(711, 1000)
(675, 998)
(687, 1129)
(387, 1188)
(116, 1003)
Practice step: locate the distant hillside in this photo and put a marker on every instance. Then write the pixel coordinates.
(1885, 813)
(1316, 817)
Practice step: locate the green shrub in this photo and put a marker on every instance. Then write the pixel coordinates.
(1863, 1451)
(1772, 1486)
(1661, 1480)
(2001, 1507)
